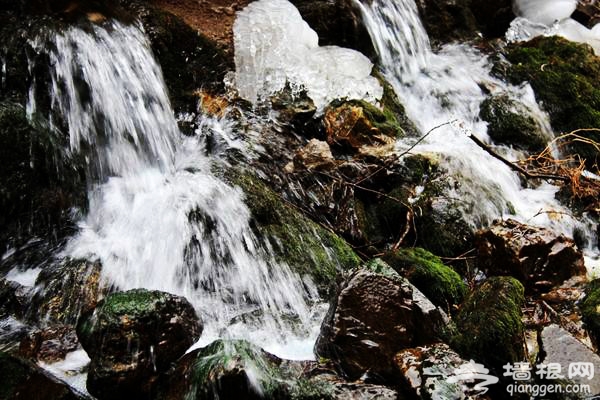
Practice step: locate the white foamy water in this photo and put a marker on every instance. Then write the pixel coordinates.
(437, 88)
(158, 219)
(550, 18)
(275, 46)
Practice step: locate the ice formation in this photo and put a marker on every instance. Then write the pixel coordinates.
(550, 18)
(275, 46)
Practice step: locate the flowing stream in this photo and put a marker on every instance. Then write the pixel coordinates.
(439, 87)
(158, 219)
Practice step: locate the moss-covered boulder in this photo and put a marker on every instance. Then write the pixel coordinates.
(237, 369)
(306, 246)
(131, 336)
(510, 123)
(22, 380)
(489, 326)
(590, 310)
(566, 79)
(39, 183)
(440, 283)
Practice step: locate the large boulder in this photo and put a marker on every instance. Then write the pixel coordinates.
(376, 314)
(236, 369)
(511, 123)
(22, 380)
(131, 336)
(565, 77)
(440, 283)
(538, 257)
(490, 319)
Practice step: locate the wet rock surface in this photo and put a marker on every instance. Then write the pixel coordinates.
(24, 380)
(490, 318)
(131, 336)
(537, 257)
(375, 316)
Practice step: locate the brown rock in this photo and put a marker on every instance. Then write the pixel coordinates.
(375, 316)
(532, 255)
(315, 155)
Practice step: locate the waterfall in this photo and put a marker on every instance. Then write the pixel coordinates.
(158, 219)
(439, 87)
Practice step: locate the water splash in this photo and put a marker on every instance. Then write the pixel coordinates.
(440, 87)
(158, 218)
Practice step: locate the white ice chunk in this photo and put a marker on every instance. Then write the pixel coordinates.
(274, 45)
(544, 11)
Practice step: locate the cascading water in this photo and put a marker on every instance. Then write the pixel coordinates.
(158, 218)
(437, 88)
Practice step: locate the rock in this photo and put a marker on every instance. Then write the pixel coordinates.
(304, 245)
(39, 183)
(590, 310)
(511, 123)
(353, 124)
(426, 371)
(565, 77)
(447, 20)
(538, 257)
(337, 22)
(316, 155)
(188, 59)
(490, 318)
(587, 13)
(560, 347)
(131, 336)
(236, 369)
(376, 314)
(26, 381)
(65, 291)
(493, 17)
(440, 283)
(49, 345)
(362, 391)
(13, 299)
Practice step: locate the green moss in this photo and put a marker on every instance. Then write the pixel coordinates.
(509, 123)
(261, 372)
(132, 302)
(296, 240)
(393, 110)
(440, 283)
(489, 326)
(566, 79)
(590, 310)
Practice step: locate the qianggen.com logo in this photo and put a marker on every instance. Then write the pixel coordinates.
(522, 374)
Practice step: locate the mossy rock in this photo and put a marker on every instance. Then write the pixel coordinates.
(489, 325)
(566, 79)
(304, 245)
(440, 283)
(40, 183)
(236, 369)
(509, 123)
(590, 310)
(393, 109)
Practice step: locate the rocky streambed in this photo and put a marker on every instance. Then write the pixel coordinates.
(348, 207)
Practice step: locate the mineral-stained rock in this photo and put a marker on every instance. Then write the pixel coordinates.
(537, 257)
(354, 124)
(489, 327)
(428, 370)
(133, 335)
(376, 314)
